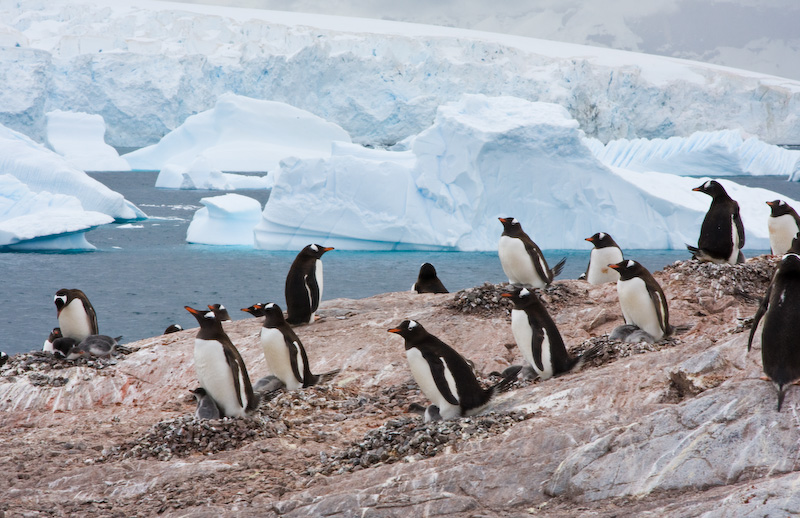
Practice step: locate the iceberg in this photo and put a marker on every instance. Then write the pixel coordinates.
(43, 221)
(241, 134)
(486, 157)
(709, 153)
(79, 137)
(200, 175)
(225, 220)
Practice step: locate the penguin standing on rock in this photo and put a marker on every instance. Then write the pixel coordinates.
(286, 357)
(303, 290)
(428, 281)
(605, 252)
(76, 316)
(780, 353)
(537, 336)
(642, 300)
(444, 376)
(522, 260)
(783, 225)
(722, 231)
(220, 368)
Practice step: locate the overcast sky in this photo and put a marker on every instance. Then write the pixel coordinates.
(760, 35)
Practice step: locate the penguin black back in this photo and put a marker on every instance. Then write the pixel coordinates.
(780, 354)
(428, 281)
(722, 232)
(303, 290)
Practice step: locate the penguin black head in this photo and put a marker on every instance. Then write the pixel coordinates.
(221, 313)
(602, 240)
(795, 248)
(273, 316)
(521, 297)
(62, 298)
(315, 251)
(427, 271)
(713, 188)
(63, 346)
(510, 225)
(790, 263)
(199, 392)
(257, 310)
(3, 358)
(411, 330)
(205, 318)
(174, 328)
(628, 269)
(779, 208)
(54, 334)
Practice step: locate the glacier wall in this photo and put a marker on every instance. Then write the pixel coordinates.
(146, 68)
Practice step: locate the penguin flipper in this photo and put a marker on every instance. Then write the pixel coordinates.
(438, 372)
(536, 345)
(87, 306)
(737, 219)
(662, 310)
(312, 287)
(295, 350)
(233, 364)
(560, 266)
(759, 313)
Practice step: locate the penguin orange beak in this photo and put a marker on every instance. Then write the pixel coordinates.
(771, 203)
(506, 295)
(328, 248)
(614, 266)
(698, 189)
(191, 310)
(589, 239)
(394, 330)
(502, 220)
(246, 309)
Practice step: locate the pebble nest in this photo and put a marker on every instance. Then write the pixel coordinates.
(486, 300)
(186, 435)
(41, 368)
(613, 350)
(748, 280)
(408, 438)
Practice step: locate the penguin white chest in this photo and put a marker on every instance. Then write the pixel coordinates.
(421, 371)
(781, 232)
(278, 357)
(74, 321)
(523, 335)
(637, 306)
(518, 265)
(599, 259)
(216, 377)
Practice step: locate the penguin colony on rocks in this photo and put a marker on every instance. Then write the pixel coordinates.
(445, 377)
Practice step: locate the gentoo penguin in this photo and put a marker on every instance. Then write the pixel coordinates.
(76, 316)
(522, 260)
(63, 346)
(642, 300)
(780, 354)
(722, 231)
(443, 375)
(783, 224)
(286, 357)
(48, 344)
(304, 285)
(93, 345)
(220, 368)
(206, 406)
(537, 336)
(257, 310)
(427, 281)
(174, 328)
(221, 313)
(3, 358)
(605, 252)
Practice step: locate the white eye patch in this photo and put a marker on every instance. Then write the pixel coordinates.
(62, 298)
(270, 305)
(630, 264)
(412, 324)
(524, 292)
(514, 221)
(314, 248)
(209, 315)
(602, 235)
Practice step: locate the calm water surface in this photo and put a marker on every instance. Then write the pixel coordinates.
(143, 273)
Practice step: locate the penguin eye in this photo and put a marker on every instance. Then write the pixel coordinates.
(524, 292)
(630, 264)
(412, 324)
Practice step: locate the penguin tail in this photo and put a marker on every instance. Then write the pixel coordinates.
(509, 377)
(558, 267)
(781, 394)
(327, 376)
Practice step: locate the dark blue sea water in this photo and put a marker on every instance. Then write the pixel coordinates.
(143, 273)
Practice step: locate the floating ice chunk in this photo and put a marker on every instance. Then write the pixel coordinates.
(225, 220)
(80, 138)
(43, 170)
(242, 134)
(714, 153)
(201, 175)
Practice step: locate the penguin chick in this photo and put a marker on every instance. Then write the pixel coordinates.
(94, 345)
(206, 406)
(523, 261)
(443, 375)
(428, 281)
(48, 344)
(284, 352)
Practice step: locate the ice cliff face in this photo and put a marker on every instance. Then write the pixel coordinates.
(145, 69)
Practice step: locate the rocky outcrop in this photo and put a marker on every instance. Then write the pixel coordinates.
(681, 427)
